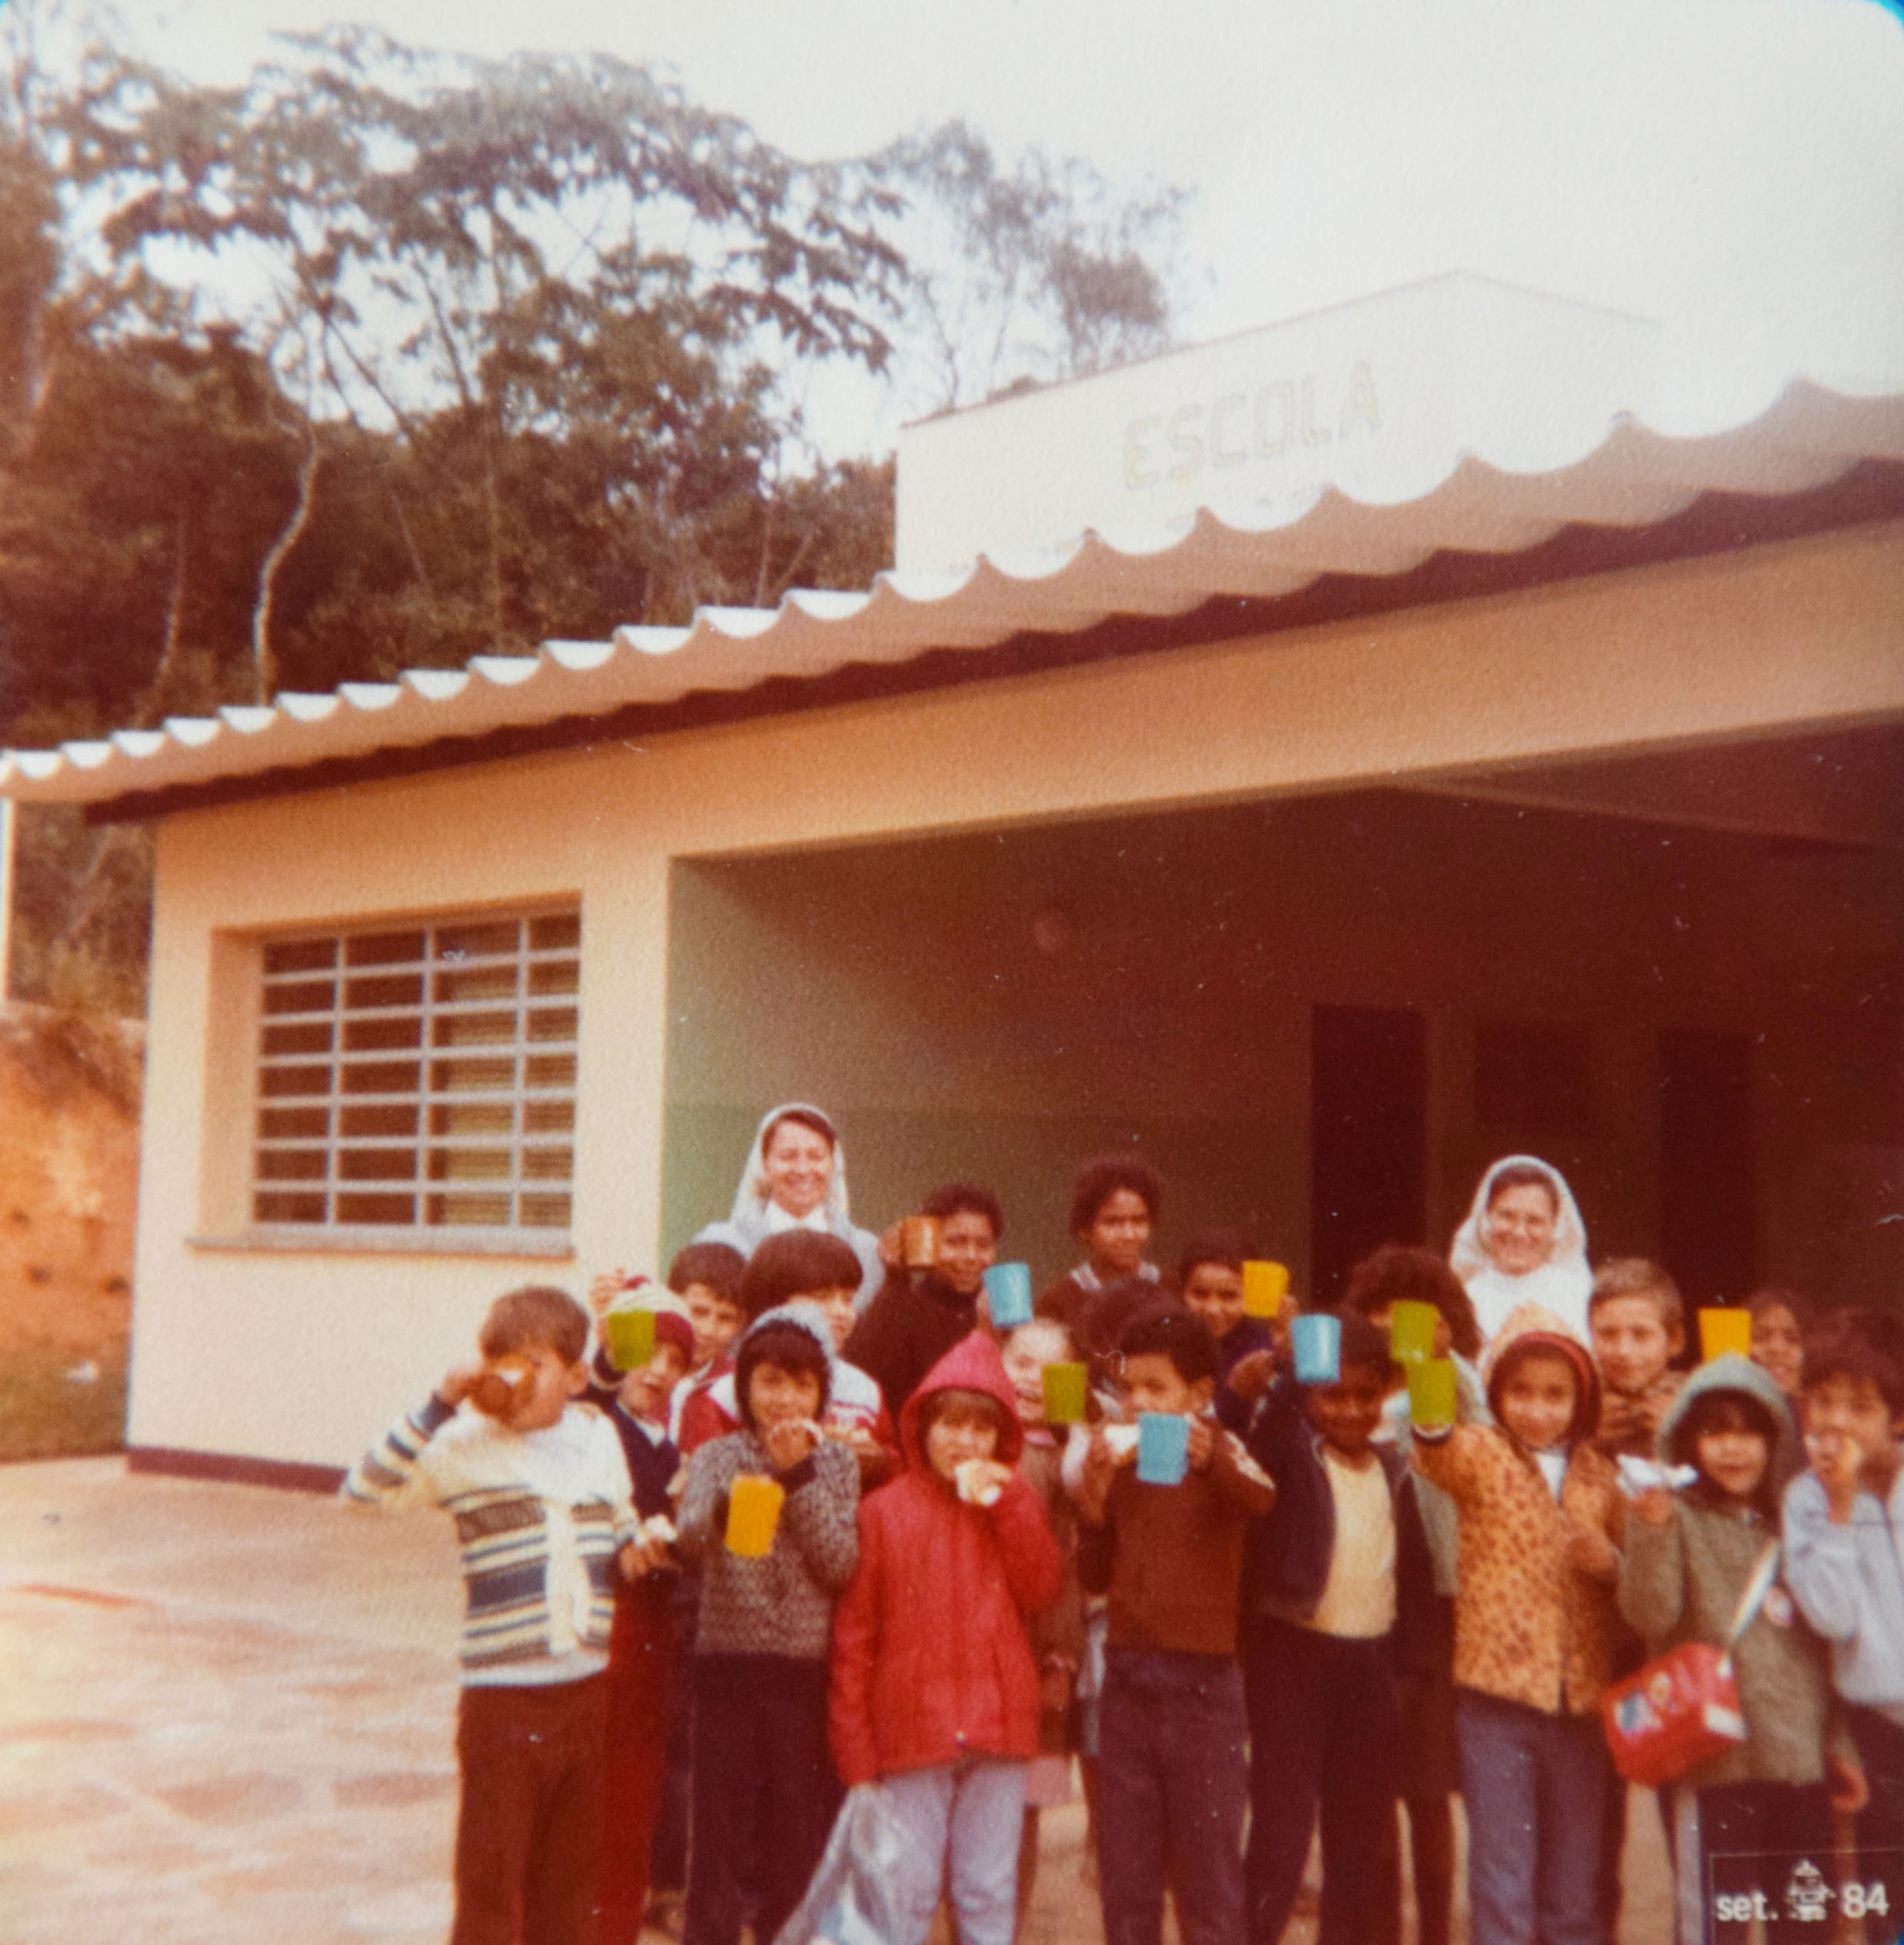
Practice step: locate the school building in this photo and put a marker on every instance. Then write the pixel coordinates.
(1323, 759)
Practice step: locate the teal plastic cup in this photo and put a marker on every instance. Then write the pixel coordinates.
(1162, 1448)
(1316, 1337)
(1008, 1294)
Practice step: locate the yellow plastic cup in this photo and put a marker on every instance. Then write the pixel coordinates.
(1264, 1286)
(1431, 1391)
(630, 1338)
(1411, 1330)
(1064, 1386)
(1721, 1331)
(754, 1504)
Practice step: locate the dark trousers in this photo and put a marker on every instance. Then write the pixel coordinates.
(528, 1832)
(640, 1681)
(668, 1856)
(1324, 1735)
(763, 1785)
(1881, 1751)
(1173, 1780)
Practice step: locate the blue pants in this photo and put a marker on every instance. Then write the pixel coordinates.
(1324, 1733)
(1534, 1784)
(1173, 1779)
(962, 1822)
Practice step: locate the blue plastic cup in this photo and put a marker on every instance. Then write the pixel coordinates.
(1317, 1338)
(1162, 1448)
(1008, 1294)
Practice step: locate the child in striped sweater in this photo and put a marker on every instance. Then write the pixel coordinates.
(538, 1488)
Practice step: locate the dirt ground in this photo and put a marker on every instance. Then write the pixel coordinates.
(69, 1183)
(226, 1712)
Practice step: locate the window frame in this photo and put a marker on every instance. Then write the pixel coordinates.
(536, 1019)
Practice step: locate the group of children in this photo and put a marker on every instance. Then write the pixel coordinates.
(809, 1561)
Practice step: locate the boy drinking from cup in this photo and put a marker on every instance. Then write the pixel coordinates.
(539, 1490)
(1173, 1778)
(1533, 1631)
(763, 1785)
(1844, 1540)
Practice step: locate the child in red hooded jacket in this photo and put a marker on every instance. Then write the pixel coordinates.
(934, 1692)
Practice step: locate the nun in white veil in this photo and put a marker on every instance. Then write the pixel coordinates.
(794, 1177)
(1524, 1242)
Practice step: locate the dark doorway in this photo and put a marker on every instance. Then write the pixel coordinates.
(1708, 1214)
(1368, 1137)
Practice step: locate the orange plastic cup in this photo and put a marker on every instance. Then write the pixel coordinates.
(754, 1504)
(1431, 1391)
(919, 1242)
(1721, 1331)
(1264, 1286)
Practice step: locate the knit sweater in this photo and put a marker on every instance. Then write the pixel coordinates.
(1682, 1582)
(1171, 1557)
(781, 1604)
(540, 1516)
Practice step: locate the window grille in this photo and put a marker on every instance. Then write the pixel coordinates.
(420, 1076)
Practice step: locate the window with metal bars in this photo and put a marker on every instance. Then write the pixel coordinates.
(419, 1076)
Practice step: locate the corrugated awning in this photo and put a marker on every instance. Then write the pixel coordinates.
(1632, 477)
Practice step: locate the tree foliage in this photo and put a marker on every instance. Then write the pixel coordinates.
(389, 358)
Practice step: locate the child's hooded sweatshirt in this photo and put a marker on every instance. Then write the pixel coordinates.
(930, 1660)
(1529, 1627)
(1682, 1582)
(782, 1604)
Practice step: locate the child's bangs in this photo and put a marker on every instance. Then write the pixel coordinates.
(955, 1406)
(1722, 1411)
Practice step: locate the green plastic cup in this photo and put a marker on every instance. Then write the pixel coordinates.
(1064, 1387)
(1431, 1391)
(630, 1338)
(1411, 1330)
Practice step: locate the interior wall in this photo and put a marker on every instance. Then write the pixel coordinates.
(1003, 1006)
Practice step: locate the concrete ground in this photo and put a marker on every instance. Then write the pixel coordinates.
(225, 1714)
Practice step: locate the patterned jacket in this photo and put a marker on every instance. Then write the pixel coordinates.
(1529, 1625)
(540, 1516)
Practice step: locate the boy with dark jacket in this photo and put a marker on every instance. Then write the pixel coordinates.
(1339, 1586)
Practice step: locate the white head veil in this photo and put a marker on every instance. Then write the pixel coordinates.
(1562, 1284)
(750, 1223)
(750, 1196)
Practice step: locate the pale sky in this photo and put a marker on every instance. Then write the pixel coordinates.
(1734, 168)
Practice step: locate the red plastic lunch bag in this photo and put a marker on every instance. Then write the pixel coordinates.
(1683, 1710)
